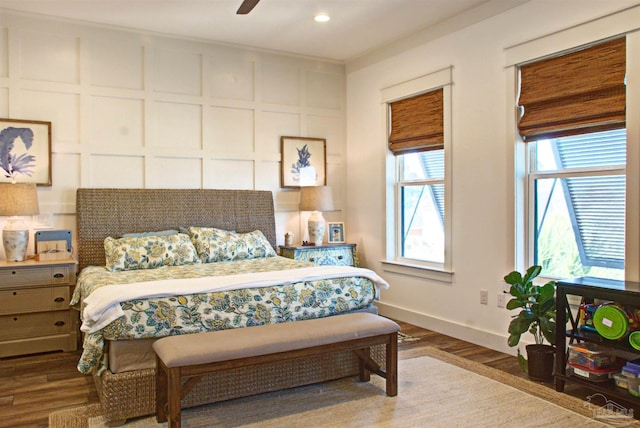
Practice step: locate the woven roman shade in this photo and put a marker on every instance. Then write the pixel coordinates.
(417, 123)
(576, 93)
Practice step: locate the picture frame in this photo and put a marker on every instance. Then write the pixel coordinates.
(303, 162)
(336, 233)
(25, 151)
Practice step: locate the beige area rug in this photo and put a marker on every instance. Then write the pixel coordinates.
(439, 390)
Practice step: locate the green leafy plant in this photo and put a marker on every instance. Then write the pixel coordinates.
(537, 304)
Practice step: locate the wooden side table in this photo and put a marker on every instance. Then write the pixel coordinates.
(333, 254)
(35, 315)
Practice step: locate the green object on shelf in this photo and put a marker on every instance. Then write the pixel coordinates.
(611, 322)
(634, 339)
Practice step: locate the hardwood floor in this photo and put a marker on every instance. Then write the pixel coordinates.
(33, 386)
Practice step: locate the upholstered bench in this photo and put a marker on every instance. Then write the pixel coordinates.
(188, 357)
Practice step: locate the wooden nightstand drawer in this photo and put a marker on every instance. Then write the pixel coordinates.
(23, 326)
(336, 254)
(34, 307)
(20, 301)
(33, 276)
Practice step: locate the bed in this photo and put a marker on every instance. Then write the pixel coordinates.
(221, 273)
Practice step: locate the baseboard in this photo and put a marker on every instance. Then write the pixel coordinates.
(463, 332)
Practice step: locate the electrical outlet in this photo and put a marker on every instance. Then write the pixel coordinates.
(484, 297)
(505, 286)
(501, 299)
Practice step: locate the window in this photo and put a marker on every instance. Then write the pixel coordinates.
(577, 194)
(420, 188)
(419, 177)
(573, 121)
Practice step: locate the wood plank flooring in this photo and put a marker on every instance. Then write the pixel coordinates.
(33, 386)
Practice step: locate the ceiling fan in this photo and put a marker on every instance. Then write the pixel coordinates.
(247, 6)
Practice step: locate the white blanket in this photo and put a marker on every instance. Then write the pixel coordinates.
(103, 305)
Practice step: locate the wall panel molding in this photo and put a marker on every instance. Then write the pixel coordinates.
(146, 110)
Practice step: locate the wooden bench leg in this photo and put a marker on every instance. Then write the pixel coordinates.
(392, 365)
(174, 394)
(161, 392)
(364, 374)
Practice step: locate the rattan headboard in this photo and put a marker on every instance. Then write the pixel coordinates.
(112, 212)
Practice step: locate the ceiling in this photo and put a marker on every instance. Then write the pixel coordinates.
(356, 27)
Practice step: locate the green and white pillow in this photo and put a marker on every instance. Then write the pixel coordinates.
(217, 245)
(149, 252)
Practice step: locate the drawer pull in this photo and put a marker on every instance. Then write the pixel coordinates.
(13, 272)
(312, 259)
(58, 275)
(15, 293)
(59, 323)
(15, 318)
(340, 257)
(58, 299)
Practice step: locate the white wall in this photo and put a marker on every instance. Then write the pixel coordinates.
(483, 141)
(140, 110)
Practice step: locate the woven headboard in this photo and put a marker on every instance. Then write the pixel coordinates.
(112, 212)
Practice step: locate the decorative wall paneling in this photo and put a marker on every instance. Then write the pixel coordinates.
(131, 109)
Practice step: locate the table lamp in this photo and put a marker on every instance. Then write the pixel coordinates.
(316, 199)
(17, 200)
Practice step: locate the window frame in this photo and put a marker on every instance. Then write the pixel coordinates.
(612, 25)
(394, 262)
(551, 46)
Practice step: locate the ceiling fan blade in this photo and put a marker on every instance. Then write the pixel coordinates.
(247, 6)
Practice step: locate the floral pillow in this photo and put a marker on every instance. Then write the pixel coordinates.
(217, 245)
(148, 252)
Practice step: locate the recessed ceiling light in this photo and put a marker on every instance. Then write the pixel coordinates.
(321, 18)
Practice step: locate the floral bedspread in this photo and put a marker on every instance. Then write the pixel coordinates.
(194, 313)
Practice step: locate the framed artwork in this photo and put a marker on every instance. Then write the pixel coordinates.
(303, 162)
(25, 151)
(336, 233)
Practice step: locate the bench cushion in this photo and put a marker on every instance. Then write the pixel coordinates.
(223, 345)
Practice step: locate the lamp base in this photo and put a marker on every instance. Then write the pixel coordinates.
(15, 244)
(15, 238)
(316, 228)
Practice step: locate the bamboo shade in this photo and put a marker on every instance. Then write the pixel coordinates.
(576, 93)
(417, 123)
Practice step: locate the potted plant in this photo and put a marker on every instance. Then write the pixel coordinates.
(537, 304)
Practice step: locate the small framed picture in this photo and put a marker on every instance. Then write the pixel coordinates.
(336, 233)
(303, 162)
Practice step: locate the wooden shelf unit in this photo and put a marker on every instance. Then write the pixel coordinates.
(590, 289)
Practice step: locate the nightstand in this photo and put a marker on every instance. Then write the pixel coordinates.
(333, 254)
(35, 315)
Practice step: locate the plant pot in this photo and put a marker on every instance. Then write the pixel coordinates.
(540, 359)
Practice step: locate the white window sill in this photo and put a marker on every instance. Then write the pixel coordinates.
(417, 271)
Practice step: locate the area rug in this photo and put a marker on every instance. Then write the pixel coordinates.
(438, 390)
